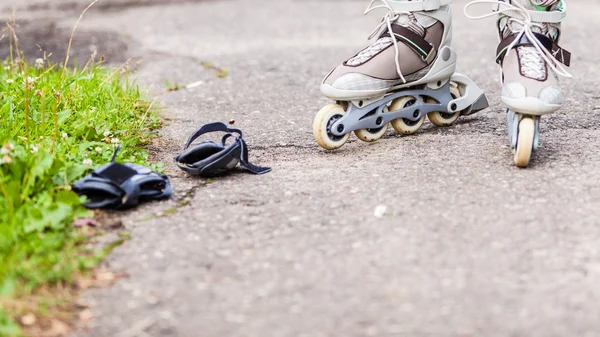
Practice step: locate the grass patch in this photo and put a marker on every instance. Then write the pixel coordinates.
(57, 124)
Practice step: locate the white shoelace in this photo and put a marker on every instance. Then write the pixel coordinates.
(531, 63)
(371, 51)
(390, 17)
(530, 57)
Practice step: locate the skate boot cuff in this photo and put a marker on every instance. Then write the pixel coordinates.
(419, 6)
(122, 186)
(561, 55)
(209, 159)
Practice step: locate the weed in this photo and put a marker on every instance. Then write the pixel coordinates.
(219, 72)
(173, 86)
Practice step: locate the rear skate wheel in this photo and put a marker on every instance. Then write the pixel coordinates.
(322, 124)
(403, 125)
(444, 119)
(371, 135)
(525, 142)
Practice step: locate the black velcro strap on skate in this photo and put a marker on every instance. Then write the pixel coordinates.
(209, 159)
(122, 186)
(561, 55)
(414, 41)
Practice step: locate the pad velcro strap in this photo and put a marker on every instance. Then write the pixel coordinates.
(143, 187)
(414, 41)
(419, 6)
(208, 128)
(258, 170)
(561, 55)
(115, 173)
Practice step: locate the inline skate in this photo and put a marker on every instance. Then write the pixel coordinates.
(531, 62)
(406, 74)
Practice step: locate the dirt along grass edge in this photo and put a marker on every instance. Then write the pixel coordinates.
(56, 124)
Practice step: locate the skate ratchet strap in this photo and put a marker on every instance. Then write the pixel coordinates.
(209, 159)
(561, 55)
(414, 41)
(555, 16)
(419, 6)
(122, 186)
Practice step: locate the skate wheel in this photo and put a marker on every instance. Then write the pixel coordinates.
(444, 119)
(325, 118)
(371, 135)
(403, 125)
(525, 142)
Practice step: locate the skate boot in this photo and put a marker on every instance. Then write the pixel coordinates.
(531, 62)
(406, 74)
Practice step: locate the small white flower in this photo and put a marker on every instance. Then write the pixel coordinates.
(39, 63)
(41, 137)
(99, 149)
(107, 133)
(7, 68)
(6, 159)
(87, 162)
(29, 79)
(115, 141)
(65, 135)
(34, 149)
(10, 80)
(7, 148)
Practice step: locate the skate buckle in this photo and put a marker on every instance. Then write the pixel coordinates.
(429, 58)
(431, 5)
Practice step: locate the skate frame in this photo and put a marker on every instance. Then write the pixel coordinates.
(512, 121)
(373, 114)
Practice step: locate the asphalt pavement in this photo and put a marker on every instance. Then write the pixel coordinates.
(469, 245)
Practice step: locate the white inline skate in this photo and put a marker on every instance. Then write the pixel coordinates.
(408, 73)
(531, 62)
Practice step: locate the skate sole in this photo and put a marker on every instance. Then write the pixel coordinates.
(530, 106)
(350, 95)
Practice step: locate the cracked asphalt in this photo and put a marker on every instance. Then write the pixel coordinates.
(469, 245)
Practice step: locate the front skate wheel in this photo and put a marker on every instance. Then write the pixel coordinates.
(444, 119)
(322, 124)
(371, 135)
(403, 125)
(525, 142)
